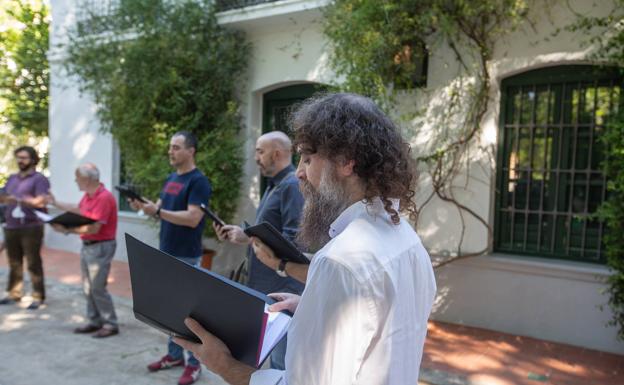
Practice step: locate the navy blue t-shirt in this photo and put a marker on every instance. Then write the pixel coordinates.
(179, 191)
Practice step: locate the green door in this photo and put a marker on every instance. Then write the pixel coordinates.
(277, 105)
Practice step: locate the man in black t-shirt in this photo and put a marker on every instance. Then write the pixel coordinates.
(181, 225)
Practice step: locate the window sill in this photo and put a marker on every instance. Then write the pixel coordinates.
(569, 270)
(132, 217)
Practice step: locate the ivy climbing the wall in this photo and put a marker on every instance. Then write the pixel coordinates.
(378, 49)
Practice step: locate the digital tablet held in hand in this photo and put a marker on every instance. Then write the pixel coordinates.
(212, 215)
(130, 193)
(282, 247)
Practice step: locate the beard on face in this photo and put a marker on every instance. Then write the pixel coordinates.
(23, 166)
(322, 207)
(266, 169)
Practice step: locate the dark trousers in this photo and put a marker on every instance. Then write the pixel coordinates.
(25, 243)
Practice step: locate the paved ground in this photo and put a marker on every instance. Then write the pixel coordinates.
(39, 347)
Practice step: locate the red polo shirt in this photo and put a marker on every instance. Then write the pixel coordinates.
(103, 208)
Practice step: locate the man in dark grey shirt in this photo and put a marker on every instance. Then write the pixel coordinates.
(281, 206)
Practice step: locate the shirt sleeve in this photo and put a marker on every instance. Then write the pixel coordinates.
(291, 204)
(334, 325)
(42, 186)
(200, 192)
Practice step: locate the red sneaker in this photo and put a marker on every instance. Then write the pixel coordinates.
(190, 375)
(165, 363)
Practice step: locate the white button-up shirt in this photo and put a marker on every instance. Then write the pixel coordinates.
(362, 318)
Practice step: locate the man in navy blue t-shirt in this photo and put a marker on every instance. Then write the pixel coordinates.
(181, 225)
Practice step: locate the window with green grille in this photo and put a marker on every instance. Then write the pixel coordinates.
(549, 174)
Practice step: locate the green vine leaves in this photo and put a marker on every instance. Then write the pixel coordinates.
(154, 68)
(607, 34)
(377, 48)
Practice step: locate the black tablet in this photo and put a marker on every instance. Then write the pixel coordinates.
(130, 193)
(212, 215)
(282, 247)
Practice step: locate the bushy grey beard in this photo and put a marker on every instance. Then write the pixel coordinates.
(321, 209)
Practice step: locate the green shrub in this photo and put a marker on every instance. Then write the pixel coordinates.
(606, 37)
(24, 68)
(612, 212)
(156, 67)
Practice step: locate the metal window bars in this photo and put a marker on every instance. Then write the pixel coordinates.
(550, 180)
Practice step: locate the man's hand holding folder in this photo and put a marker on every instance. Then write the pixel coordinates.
(216, 355)
(285, 302)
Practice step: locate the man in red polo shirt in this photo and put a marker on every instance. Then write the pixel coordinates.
(98, 249)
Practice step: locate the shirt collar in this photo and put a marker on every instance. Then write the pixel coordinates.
(97, 192)
(275, 180)
(373, 207)
(31, 173)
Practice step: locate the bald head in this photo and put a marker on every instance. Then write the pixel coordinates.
(273, 152)
(90, 171)
(277, 140)
(88, 178)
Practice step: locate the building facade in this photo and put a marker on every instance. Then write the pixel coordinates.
(545, 274)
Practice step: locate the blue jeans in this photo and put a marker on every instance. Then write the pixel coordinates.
(174, 350)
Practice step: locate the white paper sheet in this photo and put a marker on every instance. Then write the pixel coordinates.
(43, 216)
(276, 328)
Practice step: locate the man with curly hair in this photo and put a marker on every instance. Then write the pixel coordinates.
(362, 318)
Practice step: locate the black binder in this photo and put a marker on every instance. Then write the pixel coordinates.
(67, 219)
(282, 247)
(166, 290)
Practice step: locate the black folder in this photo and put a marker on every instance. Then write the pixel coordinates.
(67, 219)
(166, 290)
(128, 192)
(282, 247)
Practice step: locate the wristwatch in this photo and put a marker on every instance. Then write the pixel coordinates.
(281, 269)
(157, 213)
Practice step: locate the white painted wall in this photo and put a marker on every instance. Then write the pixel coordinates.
(532, 297)
(546, 299)
(75, 138)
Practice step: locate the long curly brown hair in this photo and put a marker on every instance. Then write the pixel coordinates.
(352, 127)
